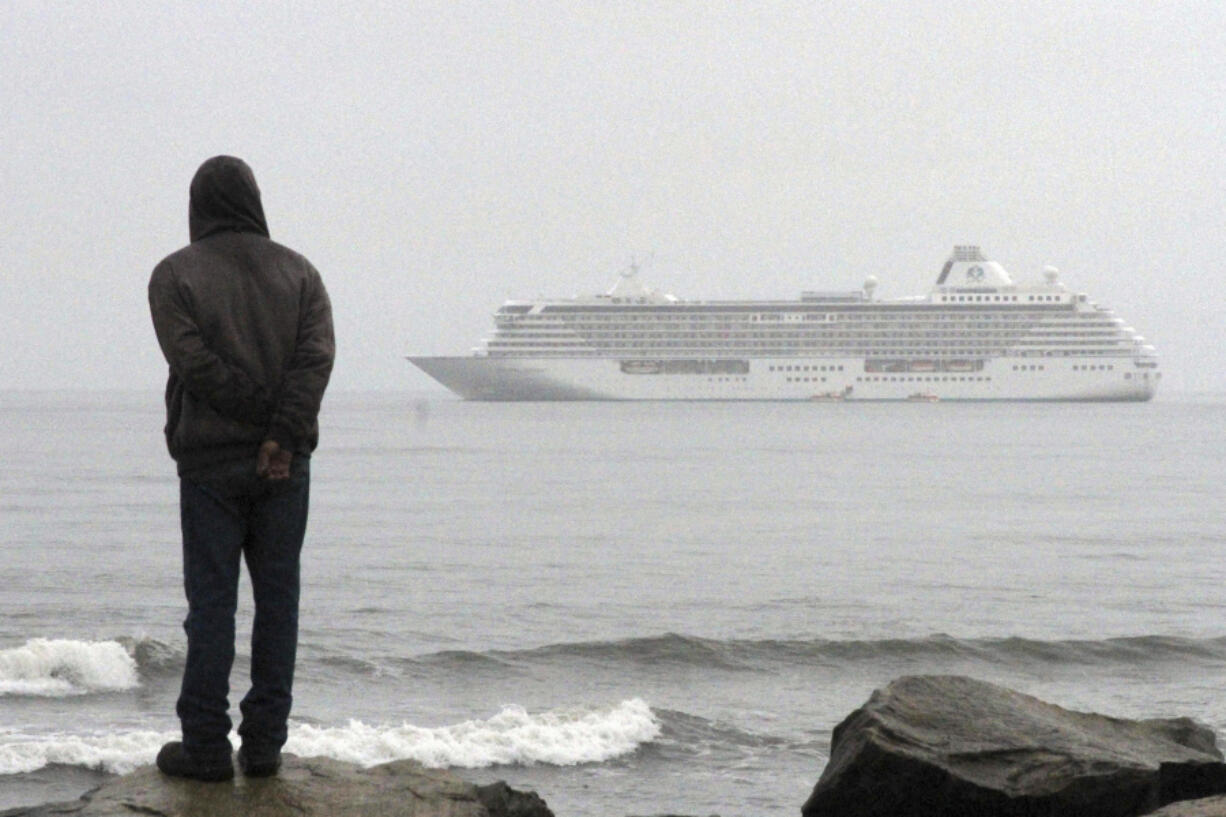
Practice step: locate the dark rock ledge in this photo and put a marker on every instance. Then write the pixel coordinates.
(306, 787)
(946, 746)
(1204, 807)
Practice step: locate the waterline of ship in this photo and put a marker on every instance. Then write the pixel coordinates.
(976, 335)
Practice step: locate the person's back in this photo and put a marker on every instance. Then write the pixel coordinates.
(245, 324)
(246, 327)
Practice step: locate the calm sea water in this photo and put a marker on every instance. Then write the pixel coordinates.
(631, 608)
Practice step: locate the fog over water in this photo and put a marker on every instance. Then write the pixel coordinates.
(436, 158)
(631, 608)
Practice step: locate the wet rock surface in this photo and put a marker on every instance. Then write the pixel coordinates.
(305, 787)
(1204, 807)
(948, 745)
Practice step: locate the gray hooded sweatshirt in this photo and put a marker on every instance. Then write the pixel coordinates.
(245, 325)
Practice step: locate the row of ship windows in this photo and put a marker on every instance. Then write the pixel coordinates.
(935, 378)
(986, 352)
(802, 332)
(899, 353)
(920, 313)
(889, 379)
(929, 338)
(1032, 368)
(831, 368)
(930, 350)
(862, 330)
(937, 322)
(948, 321)
(942, 378)
(1042, 332)
(999, 298)
(1054, 348)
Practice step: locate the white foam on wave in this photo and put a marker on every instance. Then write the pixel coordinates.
(513, 736)
(115, 753)
(61, 667)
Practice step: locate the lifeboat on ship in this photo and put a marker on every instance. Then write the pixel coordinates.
(832, 396)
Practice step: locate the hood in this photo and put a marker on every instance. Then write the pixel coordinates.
(225, 198)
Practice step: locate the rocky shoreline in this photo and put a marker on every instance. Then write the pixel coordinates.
(923, 746)
(926, 746)
(305, 787)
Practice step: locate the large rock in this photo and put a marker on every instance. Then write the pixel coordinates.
(947, 745)
(1204, 807)
(305, 787)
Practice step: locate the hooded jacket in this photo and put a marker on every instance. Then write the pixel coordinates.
(245, 325)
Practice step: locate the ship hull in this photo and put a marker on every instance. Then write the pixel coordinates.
(539, 378)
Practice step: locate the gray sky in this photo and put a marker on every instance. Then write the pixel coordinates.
(435, 158)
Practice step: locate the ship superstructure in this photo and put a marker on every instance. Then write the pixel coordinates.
(976, 335)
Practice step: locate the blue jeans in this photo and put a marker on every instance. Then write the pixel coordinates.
(227, 512)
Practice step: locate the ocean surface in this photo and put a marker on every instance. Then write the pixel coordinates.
(632, 608)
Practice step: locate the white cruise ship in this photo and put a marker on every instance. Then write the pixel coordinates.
(976, 335)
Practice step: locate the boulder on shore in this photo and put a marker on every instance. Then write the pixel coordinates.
(305, 787)
(1204, 807)
(948, 745)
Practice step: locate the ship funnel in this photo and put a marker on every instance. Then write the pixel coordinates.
(969, 267)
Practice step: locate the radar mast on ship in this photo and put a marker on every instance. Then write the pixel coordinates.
(629, 289)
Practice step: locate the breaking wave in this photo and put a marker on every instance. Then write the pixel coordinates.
(60, 667)
(115, 753)
(514, 736)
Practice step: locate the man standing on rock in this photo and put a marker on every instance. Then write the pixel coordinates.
(246, 327)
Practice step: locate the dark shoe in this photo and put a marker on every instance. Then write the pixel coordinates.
(255, 763)
(174, 761)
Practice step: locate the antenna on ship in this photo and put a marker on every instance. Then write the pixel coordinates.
(633, 269)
